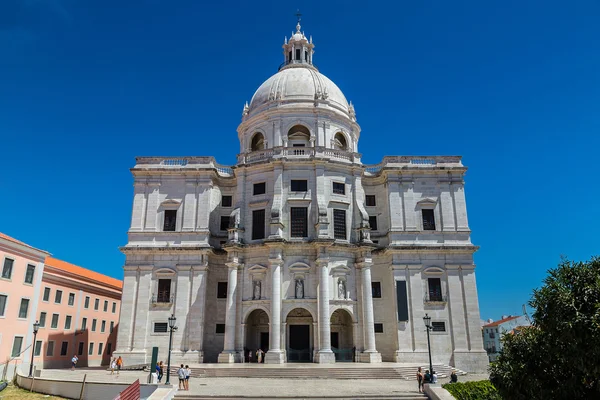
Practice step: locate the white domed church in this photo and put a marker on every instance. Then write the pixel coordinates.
(299, 249)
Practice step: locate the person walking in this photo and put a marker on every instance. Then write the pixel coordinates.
(119, 364)
(188, 373)
(181, 375)
(74, 362)
(113, 365)
(159, 373)
(420, 379)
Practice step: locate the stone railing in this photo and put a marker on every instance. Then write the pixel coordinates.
(297, 152)
(414, 162)
(183, 163)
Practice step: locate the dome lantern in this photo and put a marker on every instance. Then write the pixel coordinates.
(299, 49)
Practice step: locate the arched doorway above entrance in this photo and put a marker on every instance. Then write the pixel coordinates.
(300, 333)
(342, 341)
(257, 335)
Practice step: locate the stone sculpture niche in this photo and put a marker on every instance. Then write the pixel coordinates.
(341, 289)
(256, 290)
(299, 288)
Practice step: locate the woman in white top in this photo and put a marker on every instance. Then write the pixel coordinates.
(188, 372)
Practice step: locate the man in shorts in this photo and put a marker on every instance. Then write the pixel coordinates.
(74, 362)
(181, 375)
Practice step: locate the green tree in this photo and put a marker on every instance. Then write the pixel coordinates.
(559, 356)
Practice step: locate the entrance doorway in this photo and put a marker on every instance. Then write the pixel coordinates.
(264, 341)
(342, 343)
(335, 340)
(257, 334)
(299, 337)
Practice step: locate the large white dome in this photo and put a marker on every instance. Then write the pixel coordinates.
(298, 85)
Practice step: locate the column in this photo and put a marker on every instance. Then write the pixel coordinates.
(275, 355)
(239, 332)
(197, 311)
(370, 353)
(324, 355)
(229, 355)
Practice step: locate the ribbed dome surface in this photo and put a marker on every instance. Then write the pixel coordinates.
(299, 84)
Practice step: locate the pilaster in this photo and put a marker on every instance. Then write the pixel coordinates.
(370, 353)
(275, 355)
(324, 355)
(229, 355)
(197, 308)
(142, 309)
(152, 205)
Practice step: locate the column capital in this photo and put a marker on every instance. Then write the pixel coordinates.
(234, 265)
(322, 261)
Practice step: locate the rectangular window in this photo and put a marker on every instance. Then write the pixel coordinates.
(7, 268)
(63, 348)
(224, 222)
(299, 185)
(435, 289)
(67, 322)
(373, 222)
(428, 220)
(299, 223)
(17, 344)
(3, 299)
(164, 291)
(114, 307)
(94, 325)
(105, 309)
(50, 348)
(402, 300)
(96, 304)
(298, 54)
(108, 348)
(83, 323)
(24, 308)
(220, 328)
(100, 348)
(42, 320)
(438, 326)
(103, 326)
(80, 350)
(54, 323)
(38, 348)
(258, 224)
(378, 328)
(71, 299)
(370, 200)
(87, 302)
(259, 188)
(376, 290)
(226, 201)
(221, 290)
(112, 326)
(91, 349)
(58, 297)
(29, 273)
(339, 224)
(161, 327)
(46, 294)
(339, 188)
(170, 220)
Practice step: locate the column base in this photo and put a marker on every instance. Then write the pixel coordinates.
(325, 357)
(274, 357)
(371, 357)
(229, 358)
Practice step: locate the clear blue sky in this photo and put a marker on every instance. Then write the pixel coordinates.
(513, 86)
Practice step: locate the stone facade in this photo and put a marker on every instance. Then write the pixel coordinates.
(300, 249)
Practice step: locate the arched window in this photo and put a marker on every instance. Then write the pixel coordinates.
(339, 141)
(258, 142)
(298, 136)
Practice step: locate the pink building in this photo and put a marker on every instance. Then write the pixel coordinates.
(77, 310)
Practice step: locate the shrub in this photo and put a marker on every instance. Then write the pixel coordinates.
(476, 390)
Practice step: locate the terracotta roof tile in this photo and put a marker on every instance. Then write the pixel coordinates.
(12, 239)
(500, 321)
(86, 273)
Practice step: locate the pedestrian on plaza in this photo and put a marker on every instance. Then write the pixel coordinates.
(113, 365)
(420, 379)
(188, 373)
(74, 362)
(453, 377)
(181, 375)
(427, 378)
(259, 355)
(250, 356)
(119, 364)
(159, 373)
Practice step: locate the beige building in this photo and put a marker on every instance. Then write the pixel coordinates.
(300, 249)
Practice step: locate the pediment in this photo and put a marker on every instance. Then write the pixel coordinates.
(433, 270)
(170, 203)
(257, 269)
(299, 267)
(340, 269)
(427, 201)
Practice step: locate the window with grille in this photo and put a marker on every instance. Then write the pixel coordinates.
(339, 188)
(376, 290)
(7, 268)
(54, 323)
(220, 328)
(435, 289)
(164, 291)
(112, 326)
(17, 344)
(29, 273)
(71, 299)
(87, 302)
(428, 220)
(94, 321)
(299, 222)
(370, 200)
(96, 304)
(67, 322)
(24, 308)
(339, 224)
(221, 290)
(105, 309)
(42, 320)
(259, 188)
(50, 348)
(114, 307)
(46, 294)
(258, 224)
(91, 350)
(58, 297)
(378, 328)
(83, 323)
(226, 201)
(103, 326)
(161, 327)
(373, 222)
(438, 326)
(63, 348)
(38, 348)
(100, 348)
(224, 222)
(299, 185)
(170, 220)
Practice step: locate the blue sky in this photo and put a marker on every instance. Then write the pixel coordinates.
(512, 86)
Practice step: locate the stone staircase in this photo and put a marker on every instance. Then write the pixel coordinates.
(308, 371)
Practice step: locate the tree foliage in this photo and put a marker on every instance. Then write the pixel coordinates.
(476, 390)
(559, 356)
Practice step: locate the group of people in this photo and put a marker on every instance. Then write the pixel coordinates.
(260, 356)
(184, 377)
(431, 377)
(116, 363)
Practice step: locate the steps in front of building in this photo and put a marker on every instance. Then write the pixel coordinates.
(306, 372)
(399, 396)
